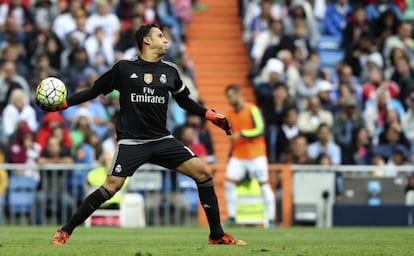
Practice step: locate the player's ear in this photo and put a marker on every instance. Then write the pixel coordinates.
(147, 40)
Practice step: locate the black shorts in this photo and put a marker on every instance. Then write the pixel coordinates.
(168, 153)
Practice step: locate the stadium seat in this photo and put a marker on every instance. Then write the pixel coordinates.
(330, 52)
(20, 194)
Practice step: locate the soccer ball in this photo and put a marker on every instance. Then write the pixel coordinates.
(51, 92)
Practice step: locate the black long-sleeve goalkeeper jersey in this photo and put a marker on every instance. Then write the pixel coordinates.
(144, 93)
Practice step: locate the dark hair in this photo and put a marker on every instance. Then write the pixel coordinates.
(232, 87)
(142, 32)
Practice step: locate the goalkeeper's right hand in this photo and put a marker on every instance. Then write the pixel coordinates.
(62, 106)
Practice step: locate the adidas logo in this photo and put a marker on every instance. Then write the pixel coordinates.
(133, 75)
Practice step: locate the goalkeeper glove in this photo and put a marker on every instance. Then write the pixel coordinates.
(62, 106)
(219, 120)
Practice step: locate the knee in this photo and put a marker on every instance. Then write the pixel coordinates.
(113, 185)
(202, 175)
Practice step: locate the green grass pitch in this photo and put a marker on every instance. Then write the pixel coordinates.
(193, 241)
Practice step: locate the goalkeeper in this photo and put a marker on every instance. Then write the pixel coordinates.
(145, 84)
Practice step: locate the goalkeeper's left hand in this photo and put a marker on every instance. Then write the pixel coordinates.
(219, 120)
(62, 106)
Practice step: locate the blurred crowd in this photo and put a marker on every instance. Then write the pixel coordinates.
(357, 111)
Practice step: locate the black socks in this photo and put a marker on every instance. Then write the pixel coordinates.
(88, 206)
(209, 202)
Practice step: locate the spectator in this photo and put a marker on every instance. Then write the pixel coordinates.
(80, 128)
(324, 94)
(93, 109)
(53, 183)
(378, 82)
(100, 51)
(10, 80)
(325, 145)
(105, 19)
(347, 79)
(274, 108)
(307, 86)
(297, 152)
(355, 26)
(41, 70)
(403, 38)
(358, 53)
(127, 38)
(346, 120)
(271, 76)
(309, 120)
(49, 122)
(16, 111)
(15, 53)
(361, 147)
(292, 75)
(65, 22)
(279, 137)
(301, 11)
(24, 150)
(272, 36)
(11, 32)
(258, 22)
(404, 77)
(79, 31)
(22, 14)
(392, 139)
(184, 13)
(189, 139)
(336, 20)
(384, 27)
(44, 12)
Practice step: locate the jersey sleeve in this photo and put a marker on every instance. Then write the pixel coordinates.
(109, 80)
(179, 89)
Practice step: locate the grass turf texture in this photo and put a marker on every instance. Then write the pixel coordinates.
(193, 241)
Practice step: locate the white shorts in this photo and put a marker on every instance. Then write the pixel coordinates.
(257, 168)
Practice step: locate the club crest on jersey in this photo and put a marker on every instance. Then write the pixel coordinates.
(118, 168)
(163, 78)
(148, 78)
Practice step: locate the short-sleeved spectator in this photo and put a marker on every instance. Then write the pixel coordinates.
(336, 20)
(325, 145)
(105, 19)
(16, 111)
